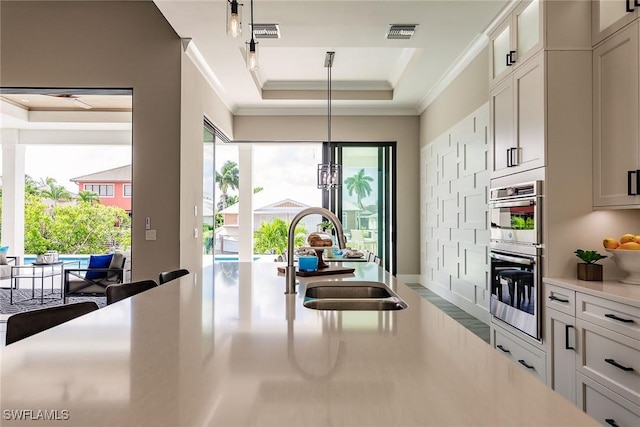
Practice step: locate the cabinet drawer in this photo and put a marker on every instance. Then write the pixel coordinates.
(526, 356)
(609, 408)
(618, 317)
(611, 359)
(560, 299)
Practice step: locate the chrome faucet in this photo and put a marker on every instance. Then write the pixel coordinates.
(291, 269)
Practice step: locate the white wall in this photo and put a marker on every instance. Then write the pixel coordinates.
(110, 44)
(454, 172)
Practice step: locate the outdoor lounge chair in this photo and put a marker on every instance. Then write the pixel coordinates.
(91, 281)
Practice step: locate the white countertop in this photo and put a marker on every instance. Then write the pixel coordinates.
(609, 289)
(184, 355)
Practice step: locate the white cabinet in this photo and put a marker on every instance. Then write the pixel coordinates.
(598, 347)
(518, 119)
(516, 39)
(560, 334)
(608, 16)
(616, 136)
(525, 355)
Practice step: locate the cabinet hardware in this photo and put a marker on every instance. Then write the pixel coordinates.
(620, 319)
(555, 298)
(512, 58)
(629, 6)
(617, 365)
(629, 183)
(523, 363)
(611, 422)
(502, 348)
(566, 337)
(510, 162)
(506, 55)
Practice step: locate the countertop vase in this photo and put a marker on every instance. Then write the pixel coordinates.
(589, 272)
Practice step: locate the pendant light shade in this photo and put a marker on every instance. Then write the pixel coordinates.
(252, 48)
(252, 55)
(234, 18)
(329, 174)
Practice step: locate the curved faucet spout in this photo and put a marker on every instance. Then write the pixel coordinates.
(291, 269)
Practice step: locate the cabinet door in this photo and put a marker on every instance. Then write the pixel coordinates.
(527, 24)
(500, 47)
(529, 88)
(502, 127)
(615, 123)
(561, 357)
(608, 16)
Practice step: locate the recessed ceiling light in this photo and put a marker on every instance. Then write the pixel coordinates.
(401, 31)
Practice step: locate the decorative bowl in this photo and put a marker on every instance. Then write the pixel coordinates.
(629, 262)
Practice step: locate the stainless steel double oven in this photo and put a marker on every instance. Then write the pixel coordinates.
(515, 249)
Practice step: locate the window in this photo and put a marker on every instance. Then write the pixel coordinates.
(126, 190)
(103, 190)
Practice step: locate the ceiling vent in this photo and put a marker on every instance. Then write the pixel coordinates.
(401, 31)
(266, 31)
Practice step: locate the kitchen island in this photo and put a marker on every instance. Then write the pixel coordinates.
(237, 351)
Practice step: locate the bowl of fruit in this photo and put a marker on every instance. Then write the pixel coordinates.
(626, 254)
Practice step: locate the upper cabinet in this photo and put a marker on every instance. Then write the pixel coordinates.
(608, 16)
(616, 112)
(516, 39)
(517, 119)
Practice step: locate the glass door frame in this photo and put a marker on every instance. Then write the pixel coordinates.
(332, 199)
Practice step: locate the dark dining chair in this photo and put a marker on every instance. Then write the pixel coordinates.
(167, 276)
(122, 291)
(23, 325)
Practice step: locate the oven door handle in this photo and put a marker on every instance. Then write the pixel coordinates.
(516, 260)
(513, 203)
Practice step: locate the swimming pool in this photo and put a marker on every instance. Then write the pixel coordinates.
(82, 259)
(231, 258)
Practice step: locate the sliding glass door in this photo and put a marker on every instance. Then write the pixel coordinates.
(366, 200)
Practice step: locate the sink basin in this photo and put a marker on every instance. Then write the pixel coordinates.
(352, 295)
(347, 292)
(373, 304)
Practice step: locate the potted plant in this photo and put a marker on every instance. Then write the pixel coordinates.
(326, 227)
(588, 269)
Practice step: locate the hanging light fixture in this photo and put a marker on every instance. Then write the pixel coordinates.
(252, 48)
(329, 174)
(234, 18)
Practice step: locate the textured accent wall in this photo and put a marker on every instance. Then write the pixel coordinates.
(454, 232)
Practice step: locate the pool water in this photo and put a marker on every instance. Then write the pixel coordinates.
(82, 259)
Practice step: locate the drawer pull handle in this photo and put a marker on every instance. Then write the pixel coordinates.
(555, 298)
(502, 348)
(567, 346)
(617, 365)
(611, 422)
(620, 319)
(523, 363)
(629, 6)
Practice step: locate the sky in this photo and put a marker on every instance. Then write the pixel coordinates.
(64, 162)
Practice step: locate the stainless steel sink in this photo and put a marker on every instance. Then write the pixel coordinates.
(352, 295)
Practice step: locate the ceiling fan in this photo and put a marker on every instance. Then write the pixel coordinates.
(73, 98)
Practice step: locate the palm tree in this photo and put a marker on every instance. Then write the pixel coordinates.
(359, 183)
(227, 179)
(55, 192)
(271, 237)
(89, 196)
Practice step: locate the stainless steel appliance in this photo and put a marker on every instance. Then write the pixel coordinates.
(515, 250)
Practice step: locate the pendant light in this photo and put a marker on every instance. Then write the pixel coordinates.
(234, 18)
(252, 48)
(329, 174)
